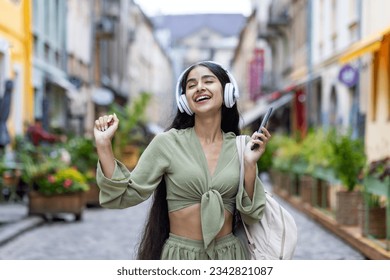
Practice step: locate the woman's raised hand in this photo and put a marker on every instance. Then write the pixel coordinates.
(105, 128)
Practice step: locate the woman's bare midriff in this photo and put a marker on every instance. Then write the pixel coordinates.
(187, 223)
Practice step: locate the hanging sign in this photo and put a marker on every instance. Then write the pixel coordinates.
(348, 75)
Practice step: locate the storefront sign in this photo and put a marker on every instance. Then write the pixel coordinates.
(256, 72)
(348, 75)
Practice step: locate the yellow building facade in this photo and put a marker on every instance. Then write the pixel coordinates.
(375, 87)
(16, 61)
(373, 51)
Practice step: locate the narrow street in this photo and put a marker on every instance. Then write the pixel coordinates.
(102, 234)
(114, 234)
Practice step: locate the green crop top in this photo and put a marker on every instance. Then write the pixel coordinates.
(178, 157)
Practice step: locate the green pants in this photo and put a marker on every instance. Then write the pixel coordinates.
(180, 248)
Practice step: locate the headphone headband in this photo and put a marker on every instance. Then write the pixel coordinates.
(231, 93)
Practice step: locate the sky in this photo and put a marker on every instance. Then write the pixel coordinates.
(154, 7)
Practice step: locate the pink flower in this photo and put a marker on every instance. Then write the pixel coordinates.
(67, 183)
(51, 179)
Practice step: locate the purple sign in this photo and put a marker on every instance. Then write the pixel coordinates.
(348, 75)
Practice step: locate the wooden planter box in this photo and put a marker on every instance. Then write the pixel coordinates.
(372, 222)
(382, 188)
(92, 195)
(276, 178)
(285, 183)
(72, 203)
(348, 205)
(314, 191)
(307, 185)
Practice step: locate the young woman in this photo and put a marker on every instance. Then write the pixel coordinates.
(193, 171)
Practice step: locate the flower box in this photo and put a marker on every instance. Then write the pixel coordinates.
(44, 205)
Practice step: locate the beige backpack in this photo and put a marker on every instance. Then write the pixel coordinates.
(275, 235)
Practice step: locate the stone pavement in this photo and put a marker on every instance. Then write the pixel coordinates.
(14, 220)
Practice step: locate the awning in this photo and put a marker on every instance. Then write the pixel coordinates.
(102, 96)
(71, 90)
(261, 108)
(369, 44)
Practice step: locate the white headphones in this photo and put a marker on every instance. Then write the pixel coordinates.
(230, 95)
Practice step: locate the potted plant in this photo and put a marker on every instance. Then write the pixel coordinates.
(376, 182)
(285, 156)
(53, 185)
(84, 157)
(265, 162)
(316, 152)
(348, 160)
(58, 190)
(130, 134)
(9, 179)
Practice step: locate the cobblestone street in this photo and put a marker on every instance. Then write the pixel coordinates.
(114, 234)
(102, 234)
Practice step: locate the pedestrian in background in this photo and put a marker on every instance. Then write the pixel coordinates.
(38, 135)
(193, 171)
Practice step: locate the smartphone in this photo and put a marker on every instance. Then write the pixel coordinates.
(264, 123)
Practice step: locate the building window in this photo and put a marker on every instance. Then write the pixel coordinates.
(353, 10)
(35, 14)
(333, 108)
(46, 21)
(35, 45)
(334, 24)
(47, 55)
(321, 29)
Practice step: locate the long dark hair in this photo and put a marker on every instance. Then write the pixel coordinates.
(157, 229)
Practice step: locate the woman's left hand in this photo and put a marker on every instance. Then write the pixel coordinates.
(261, 140)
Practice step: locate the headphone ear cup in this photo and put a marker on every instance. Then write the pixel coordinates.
(229, 98)
(183, 105)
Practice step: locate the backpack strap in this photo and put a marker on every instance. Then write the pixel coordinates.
(240, 142)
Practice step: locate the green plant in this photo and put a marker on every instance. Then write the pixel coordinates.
(348, 158)
(265, 162)
(32, 169)
(374, 201)
(83, 153)
(131, 118)
(379, 169)
(287, 152)
(316, 150)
